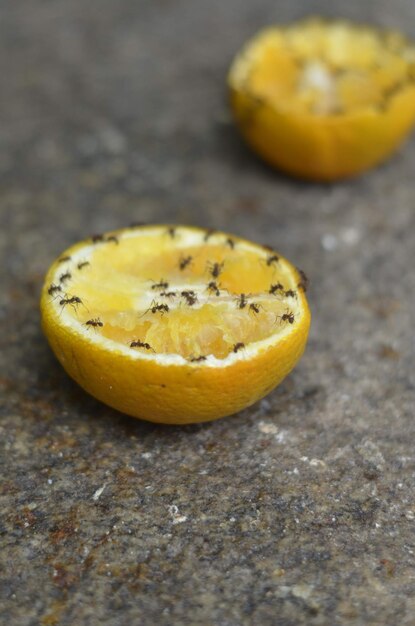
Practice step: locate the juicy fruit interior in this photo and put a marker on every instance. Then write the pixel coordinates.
(172, 296)
(327, 68)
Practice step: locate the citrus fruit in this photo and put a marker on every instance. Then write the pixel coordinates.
(324, 100)
(175, 324)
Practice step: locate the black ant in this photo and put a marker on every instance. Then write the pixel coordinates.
(161, 285)
(73, 300)
(113, 238)
(303, 284)
(238, 346)
(64, 277)
(208, 234)
(158, 308)
(63, 259)
(171, 231)
(53, 289)
(275, 287)
(190, 297)
(82, 265)
(168, 294)
(288, 317)
(273, 258)
(213, 288)
(254, 307)
(231, 243)
(94, 323)
(242, 301)
(97, 238)
(184, 262)
(290, 293)
(215, 269)
(140, 344)
(197, 359)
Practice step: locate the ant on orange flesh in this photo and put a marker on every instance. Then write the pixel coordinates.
(169, 345)
(324, 100)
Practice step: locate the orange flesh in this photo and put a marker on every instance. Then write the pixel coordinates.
(328, 68)
(119, 289)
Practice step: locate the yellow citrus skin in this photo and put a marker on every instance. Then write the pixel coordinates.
(309, 110)
(179, 392)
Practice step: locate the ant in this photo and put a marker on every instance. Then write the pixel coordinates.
(238, 346)
(161, 285)
(83, 264)
(254, 307)
(73, 300)
(168, 294)
(290, 293)
(113, 238)
(184, 261)
(197, 359)
(242, 301)
(97, 238)
(231, 243)
(288, 317)
(64, 259)
(303, 284)
(140, 344)
(53, 289)
(213, 288)
(172, 232)
(190, 297)
(208, 234)
(158, 308)
(94, 323)
(273, 258)
(275, 287)
(215, 269)
(64, 277)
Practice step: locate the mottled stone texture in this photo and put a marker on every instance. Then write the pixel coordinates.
(298, 511)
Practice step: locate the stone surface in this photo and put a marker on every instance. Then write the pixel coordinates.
(298, 511)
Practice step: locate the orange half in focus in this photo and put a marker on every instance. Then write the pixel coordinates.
(175, 324)
(324, 100)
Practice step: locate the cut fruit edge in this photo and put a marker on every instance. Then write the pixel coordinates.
(323, 74)
(80, 254)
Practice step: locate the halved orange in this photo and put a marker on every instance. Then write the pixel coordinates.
(324, 99)
(175, 324)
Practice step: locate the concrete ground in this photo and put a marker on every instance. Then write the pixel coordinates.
(298, 511)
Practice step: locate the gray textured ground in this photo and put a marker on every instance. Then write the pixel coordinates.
(298, 511)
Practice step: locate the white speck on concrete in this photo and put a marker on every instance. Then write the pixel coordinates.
(174, 512)
(146, 455)
(350, 236)
(281, 436)
(302, 591)
(98, 493)
(329, 242)
(314, 462)
(267, 428)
